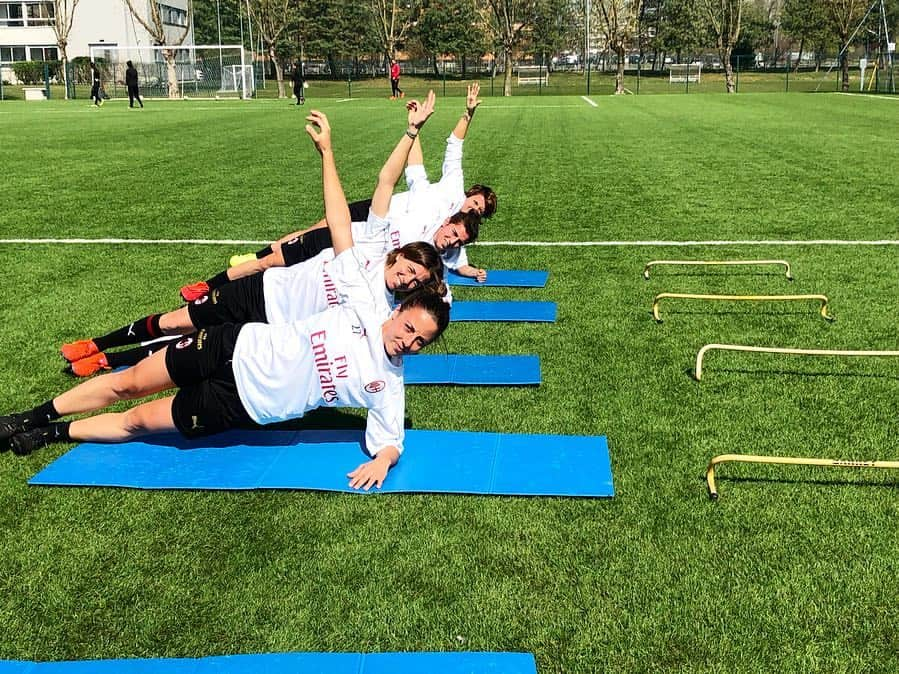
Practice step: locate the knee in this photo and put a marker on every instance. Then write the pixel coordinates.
(124, 385)
(134, 422)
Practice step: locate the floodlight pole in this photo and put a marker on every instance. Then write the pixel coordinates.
(218, 16)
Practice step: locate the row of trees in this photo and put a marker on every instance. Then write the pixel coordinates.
(354, 29)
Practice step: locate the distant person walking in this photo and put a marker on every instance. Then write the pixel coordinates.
(95, 85)
(131, 82)
(395, 91)
(299, 83)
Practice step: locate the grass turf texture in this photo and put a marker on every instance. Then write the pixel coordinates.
(793, 569)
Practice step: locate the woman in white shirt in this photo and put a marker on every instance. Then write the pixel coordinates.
(245, 375)
(280, 294)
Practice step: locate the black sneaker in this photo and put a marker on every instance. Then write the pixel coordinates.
(23, 444)
(9, 426)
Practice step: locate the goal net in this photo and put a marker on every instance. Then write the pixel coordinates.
(197, 71)
(684, 72)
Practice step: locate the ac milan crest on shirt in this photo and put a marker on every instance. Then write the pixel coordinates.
(375, 386)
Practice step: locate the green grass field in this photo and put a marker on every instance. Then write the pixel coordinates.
(791, 570)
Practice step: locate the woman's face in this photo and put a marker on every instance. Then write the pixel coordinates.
(408, 331)
(405, 275)
(476, 203)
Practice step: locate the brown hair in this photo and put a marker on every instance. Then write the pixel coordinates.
(431, 302)
(471, 221)
(423, 253)
(489, 198)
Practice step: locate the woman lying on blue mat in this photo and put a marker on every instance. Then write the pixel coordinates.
(282, 294)
(444, 214)
(233, 376)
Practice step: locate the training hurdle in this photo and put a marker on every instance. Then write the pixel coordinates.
(785, 460)
(775, 349)
(740, 298)
(656, 263)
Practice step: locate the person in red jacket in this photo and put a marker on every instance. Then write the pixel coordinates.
(395, 91)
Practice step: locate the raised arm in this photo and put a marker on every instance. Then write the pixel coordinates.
(337, 212)
(393, 167)
(471, 104)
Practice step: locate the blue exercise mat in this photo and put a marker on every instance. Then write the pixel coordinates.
(456, 462)
(501, 278)
(469, 370)
(535, 312)
(292, 663)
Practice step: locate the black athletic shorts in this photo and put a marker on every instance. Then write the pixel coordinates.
(240, 301)
(207, 401)
(310, 244)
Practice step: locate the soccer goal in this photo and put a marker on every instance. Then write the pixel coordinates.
(538, 75)
(684, 72)
(195, 71)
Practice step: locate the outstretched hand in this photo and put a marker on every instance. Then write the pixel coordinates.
(369, 474)
(319, 130)
(472, 101)
(420, 111)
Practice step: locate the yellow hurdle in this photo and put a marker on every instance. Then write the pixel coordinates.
(775, 349)
(740, 298)
(786, 460)
(656, 263)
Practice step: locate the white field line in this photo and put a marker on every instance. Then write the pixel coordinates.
(590, 101)
(548, 244)
(882, 97)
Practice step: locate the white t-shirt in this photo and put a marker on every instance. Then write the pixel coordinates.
(416, 215)
(334, 358)
(296, 292)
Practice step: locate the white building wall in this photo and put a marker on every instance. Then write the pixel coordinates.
(97, 23)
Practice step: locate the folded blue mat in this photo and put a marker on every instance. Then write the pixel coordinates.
(292, 663)
(468, 370)
(536, 312)
(456, 462)
(501, 278)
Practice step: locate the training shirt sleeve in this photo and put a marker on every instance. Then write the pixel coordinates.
(454, 258)
(349, 267)
(384, 425)
(416, 177)
(370, 237)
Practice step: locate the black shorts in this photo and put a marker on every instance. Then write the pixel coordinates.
(207, 401)
(301, 248)
(240, 301)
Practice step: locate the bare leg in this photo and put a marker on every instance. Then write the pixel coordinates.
(147, 377)
(152, 417)
(177, 322)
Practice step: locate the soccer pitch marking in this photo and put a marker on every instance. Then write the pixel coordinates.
(547, 244)
(590, 101)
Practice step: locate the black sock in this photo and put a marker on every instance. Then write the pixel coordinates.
(131, 357)
(57, 432)
(40, 415)
(218, 280)
(265, 252)
(142, 330)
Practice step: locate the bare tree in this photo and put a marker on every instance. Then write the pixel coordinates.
(845, 16)
(619, 24)
(725, 17)
(272, 18)
(154, 23)
(392, 22)
(63, 16)
(510, 20)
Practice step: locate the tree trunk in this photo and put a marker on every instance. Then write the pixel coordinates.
(619, 73)
(279, 70)
(844, 65)
(799, 60)
(728, 71)
(65, 68)
(171, 73)
(507, 75)
(436, 69)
